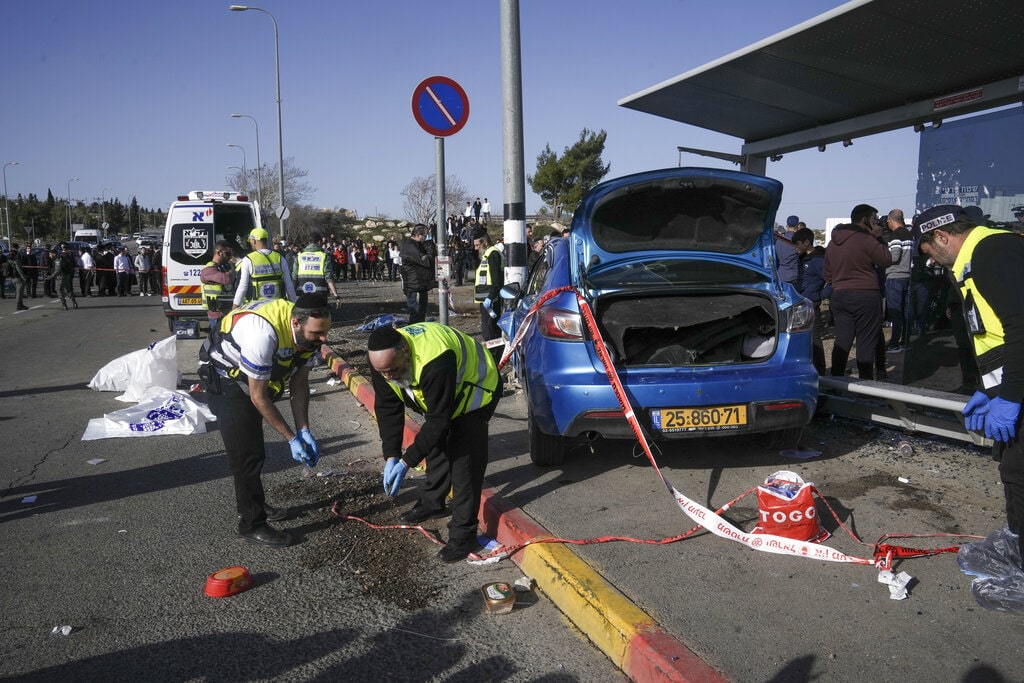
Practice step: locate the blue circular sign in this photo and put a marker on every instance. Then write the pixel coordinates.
(440, 106)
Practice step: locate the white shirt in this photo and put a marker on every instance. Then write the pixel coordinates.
(87, 261)
(487, 207)
(121, 263)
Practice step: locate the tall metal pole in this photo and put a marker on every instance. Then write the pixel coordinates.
(103, 209)
(282, 211)
(7, 206)
(259, 164)
(512, 147)
(441, 232)
(245, 178)
(70, 234)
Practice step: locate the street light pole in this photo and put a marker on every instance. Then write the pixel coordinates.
(282, 211)
(70, 234)
(259, 164)
(103, 210)
(7, 206)
(245, 180)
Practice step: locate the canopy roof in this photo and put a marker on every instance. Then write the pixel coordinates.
(865, 67)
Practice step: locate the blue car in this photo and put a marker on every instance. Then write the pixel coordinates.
(678, 267)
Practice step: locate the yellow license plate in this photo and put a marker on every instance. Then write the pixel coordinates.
(712, 419)
(190, 301)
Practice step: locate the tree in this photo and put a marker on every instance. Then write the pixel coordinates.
(563, 182)
(296, 189)
(421, 198)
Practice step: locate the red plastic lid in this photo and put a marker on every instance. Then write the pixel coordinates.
(227, 582)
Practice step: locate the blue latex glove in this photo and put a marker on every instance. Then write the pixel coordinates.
(489, 307)
(975, 412)
(487, 303)
(1001, 423)
(312, 447)
(300, 451)
(394, 475)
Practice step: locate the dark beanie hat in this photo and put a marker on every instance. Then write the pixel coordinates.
(383, 338)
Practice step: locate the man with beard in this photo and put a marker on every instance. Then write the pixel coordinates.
(452, 380)
(257, 351)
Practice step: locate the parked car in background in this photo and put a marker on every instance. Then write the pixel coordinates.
(679, 269)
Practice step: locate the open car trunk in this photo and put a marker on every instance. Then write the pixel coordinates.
(695, 329)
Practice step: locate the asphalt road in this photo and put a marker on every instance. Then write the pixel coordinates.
(120, 550)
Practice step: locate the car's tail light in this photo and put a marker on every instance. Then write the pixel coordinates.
(557, 323)
(800, 316)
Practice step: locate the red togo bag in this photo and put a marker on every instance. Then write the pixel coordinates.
(786, 508)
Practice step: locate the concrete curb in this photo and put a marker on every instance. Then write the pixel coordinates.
(626, 634)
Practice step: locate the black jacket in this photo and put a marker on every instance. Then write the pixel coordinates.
(417, 266)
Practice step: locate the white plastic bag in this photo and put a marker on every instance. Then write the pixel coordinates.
(135, 372)
(161, 411)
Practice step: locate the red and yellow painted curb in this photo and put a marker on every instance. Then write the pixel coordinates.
(630, 637)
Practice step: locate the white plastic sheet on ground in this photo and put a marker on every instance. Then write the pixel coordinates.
(136, 372)
(161, 411)
(148, 377)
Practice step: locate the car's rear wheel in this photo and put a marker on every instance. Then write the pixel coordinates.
(546, 450)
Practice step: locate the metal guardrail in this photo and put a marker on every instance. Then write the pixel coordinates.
(894, 405)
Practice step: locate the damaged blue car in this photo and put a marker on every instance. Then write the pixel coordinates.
(678, 267)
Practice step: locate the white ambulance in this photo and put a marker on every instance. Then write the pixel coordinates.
(195, 223)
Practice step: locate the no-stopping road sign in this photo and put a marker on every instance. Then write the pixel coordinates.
(440, 106)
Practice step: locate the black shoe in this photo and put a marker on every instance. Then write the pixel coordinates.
(64, 304)
(275, 514)
(268, 535)
(453, 552)
(421, 514)
(75, 304)
(22, 308)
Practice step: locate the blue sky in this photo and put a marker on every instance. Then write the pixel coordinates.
(137, 96)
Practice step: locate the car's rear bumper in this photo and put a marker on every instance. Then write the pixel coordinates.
(773, 401)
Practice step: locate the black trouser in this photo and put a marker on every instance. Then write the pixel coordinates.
(460, 466)
(817, 346)
(416, 304)
(858, 315)
(241, 428)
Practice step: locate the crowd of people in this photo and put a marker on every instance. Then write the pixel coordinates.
(871, 279)
(101, 270)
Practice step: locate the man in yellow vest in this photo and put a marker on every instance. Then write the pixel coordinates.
(218, 278)
(262, 274)
(312, 271)
(490, 278)
(450, 379)
(983, 262)
(259, 350)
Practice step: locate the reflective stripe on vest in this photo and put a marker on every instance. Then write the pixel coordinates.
(483, 274)
(310, 272)
(983, 323)
(267, 278)
(478, 377)
(277, 312)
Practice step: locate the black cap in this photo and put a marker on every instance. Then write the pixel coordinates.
(936, 217)
(313, 305)
(383, 338)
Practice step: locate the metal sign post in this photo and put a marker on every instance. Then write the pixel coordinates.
(441, 107)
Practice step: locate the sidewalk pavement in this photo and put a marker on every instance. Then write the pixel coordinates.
(641, 648)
